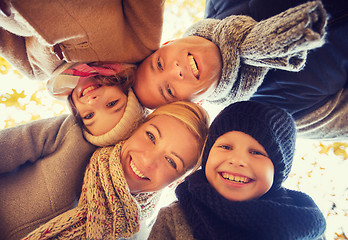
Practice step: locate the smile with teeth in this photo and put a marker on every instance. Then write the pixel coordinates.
(233, 178)
(137, 171)
(89, 89)
(193, 65)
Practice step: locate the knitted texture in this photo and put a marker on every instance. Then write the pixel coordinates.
(106, 209)
(147, 202)
(271, 126)
(249, 49)
(284, 214)
(133, 116)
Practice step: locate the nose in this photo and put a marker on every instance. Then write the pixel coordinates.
(177, 71)
(151, 159)
(93, 99)
(237, 160)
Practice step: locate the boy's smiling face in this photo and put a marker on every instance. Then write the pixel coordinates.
(238, 167)
(185, 69)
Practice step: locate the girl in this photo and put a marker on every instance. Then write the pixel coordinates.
(100, 98)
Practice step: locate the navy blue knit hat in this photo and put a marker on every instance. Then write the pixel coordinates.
(271, 126)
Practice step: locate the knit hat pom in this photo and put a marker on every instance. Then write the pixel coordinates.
(131, 119)
(271, 126)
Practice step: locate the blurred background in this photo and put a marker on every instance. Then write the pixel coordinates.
(320, 167)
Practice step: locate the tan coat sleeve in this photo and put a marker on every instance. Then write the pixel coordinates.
(105, 30)
(52, 155)
(87, 30)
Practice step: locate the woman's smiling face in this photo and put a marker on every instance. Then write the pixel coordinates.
(159, 152)
(185, 69)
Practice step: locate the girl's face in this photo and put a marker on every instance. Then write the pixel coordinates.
(101, 107)
(159, 152)
(238, 167)
(185, 69)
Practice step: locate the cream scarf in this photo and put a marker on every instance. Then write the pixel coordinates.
(106, 209)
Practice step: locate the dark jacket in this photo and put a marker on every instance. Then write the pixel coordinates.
(326, 70)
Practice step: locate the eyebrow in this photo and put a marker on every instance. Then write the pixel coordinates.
(183, 163)
(158, 131)
(176, 155)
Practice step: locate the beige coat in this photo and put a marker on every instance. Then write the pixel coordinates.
(84, 30)
(42, 165)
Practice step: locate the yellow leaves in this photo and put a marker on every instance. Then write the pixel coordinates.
(341, 236)
(35, 98)
(338, 148)
(18, 74)
(12, 100)
(179, 16)
(4, 66)
(20, 104)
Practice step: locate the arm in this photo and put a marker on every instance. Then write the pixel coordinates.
(328, 122)
(257, 9)
(32, 141)
(145, 18)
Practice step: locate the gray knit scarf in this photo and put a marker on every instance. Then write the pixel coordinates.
(249, 48)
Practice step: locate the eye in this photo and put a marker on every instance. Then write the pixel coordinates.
(112, 103)
(171, 162)
(89, 115)
(225, 147)
(151, 137)
(256, 152)
(170, 92)
(159, 64)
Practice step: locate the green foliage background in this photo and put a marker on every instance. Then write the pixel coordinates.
(319, 167)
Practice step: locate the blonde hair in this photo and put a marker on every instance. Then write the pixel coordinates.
(193, 116)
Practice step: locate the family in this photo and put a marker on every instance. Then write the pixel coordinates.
(279, 69)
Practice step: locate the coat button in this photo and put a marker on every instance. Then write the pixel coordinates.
(58, 51)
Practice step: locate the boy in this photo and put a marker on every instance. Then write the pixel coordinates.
(224, 61)
(189, 68)
(238, 193)
(317, 96)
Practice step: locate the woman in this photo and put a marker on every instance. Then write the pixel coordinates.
(164, 148)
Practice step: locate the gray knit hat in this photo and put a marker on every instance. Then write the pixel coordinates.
(249, 48)
(271, 126)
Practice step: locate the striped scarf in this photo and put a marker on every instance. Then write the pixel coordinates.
(106, 209)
